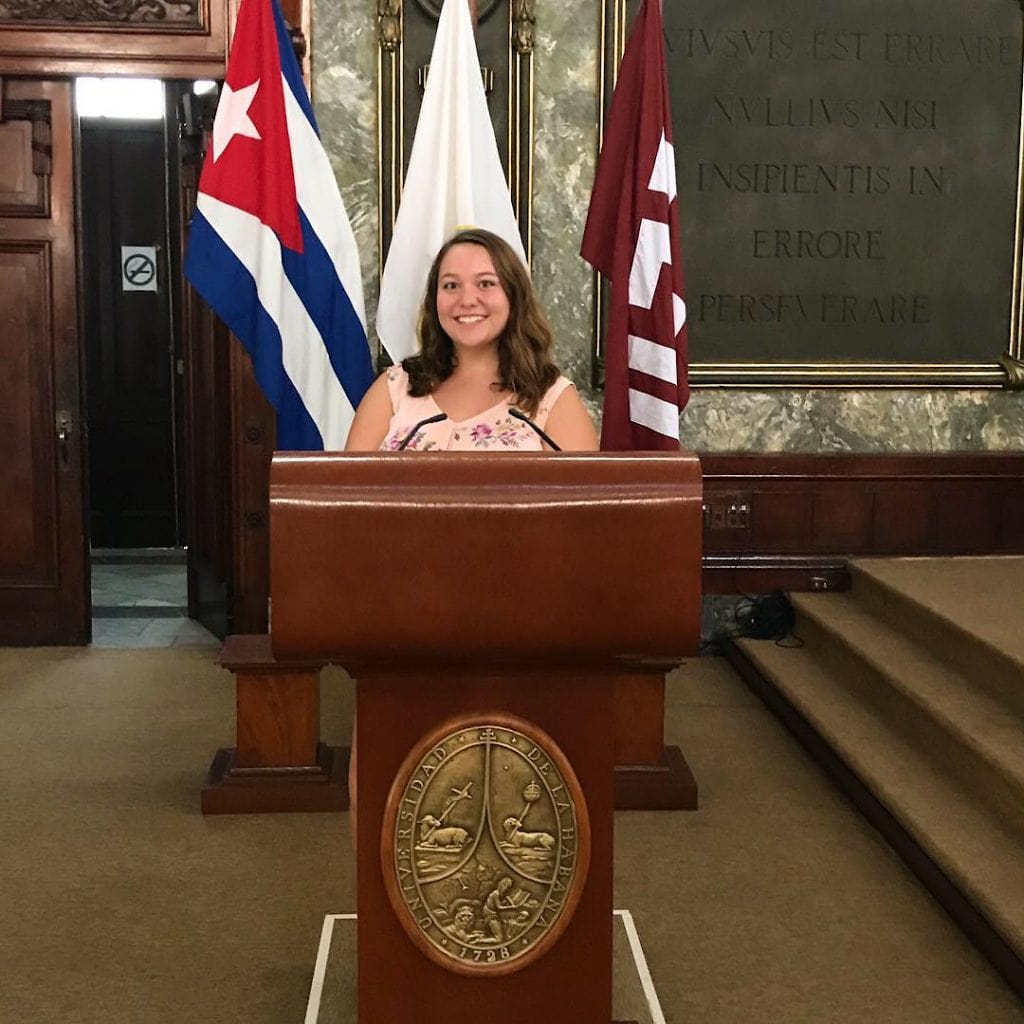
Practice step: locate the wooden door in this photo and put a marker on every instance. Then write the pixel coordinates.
(127, 335)
(43, 574)
(205, 354)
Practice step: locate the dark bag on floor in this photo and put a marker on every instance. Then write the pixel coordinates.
(766, 617)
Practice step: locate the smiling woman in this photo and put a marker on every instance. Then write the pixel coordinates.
(484, 377)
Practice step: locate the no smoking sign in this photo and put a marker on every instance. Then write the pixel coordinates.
(138, 268)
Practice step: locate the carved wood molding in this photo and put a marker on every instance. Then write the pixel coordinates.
(153, 38)
(101, 12)
(300, 44)
(38, 113)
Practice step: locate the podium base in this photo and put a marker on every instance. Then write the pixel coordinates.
(318, 787)
(332, 994)
(668, 785)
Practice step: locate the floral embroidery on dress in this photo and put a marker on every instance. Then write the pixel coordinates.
(502, 433)
(415, 442)
(493, 429)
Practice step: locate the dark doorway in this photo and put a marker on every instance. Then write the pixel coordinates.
(151, 456)
(128, 336)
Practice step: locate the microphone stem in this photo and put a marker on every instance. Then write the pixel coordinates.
(516, 414)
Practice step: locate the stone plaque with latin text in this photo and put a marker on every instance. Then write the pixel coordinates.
(848, 181)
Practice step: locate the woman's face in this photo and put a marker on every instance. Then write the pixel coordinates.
(472, 306)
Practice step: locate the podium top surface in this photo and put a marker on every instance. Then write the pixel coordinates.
(503, 467)
(483, 556)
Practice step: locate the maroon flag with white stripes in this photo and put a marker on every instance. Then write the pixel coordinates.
(632, 237)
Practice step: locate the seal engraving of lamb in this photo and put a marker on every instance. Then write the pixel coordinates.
(434, 837)
(526, 840)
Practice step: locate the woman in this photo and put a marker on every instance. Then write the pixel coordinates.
(485, 349)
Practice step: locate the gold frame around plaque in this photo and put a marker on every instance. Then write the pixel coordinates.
(504, 892)
(391, 116)
(1006, 370)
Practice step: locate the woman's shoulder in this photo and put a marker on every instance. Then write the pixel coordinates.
(552, 395)
(398, 384)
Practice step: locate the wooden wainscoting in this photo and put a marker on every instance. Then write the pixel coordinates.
(792, 521)
(770, 520)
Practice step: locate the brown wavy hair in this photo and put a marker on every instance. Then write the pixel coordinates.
(526, 365)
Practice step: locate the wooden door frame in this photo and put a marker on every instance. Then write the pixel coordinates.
(52, 604)
(181, 53)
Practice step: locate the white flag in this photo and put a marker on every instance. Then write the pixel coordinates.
(454, 179)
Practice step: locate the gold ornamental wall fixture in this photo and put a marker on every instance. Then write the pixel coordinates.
(521, 16)
(485, 847)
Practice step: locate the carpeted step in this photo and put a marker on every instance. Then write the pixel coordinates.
(970, 843)
(965, 730)
(966, 609)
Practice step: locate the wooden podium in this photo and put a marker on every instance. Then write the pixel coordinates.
(486, 606)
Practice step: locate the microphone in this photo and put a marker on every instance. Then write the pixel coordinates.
(422, 423)
(533, 426)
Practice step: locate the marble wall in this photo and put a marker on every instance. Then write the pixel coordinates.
(565, 74)
(344, 87)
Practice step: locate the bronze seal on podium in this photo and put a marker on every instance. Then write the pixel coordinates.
(486, 844)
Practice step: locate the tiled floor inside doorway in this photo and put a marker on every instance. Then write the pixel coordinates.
(139, 599)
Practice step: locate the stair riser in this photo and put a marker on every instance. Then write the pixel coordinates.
(876, 783)
(983, 911)
(951, 751)
(1001, 677)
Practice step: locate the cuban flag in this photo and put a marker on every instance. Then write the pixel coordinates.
(271, 249)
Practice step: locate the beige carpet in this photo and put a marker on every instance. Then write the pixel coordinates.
(979, 594)
(121, 903)
(915, 679)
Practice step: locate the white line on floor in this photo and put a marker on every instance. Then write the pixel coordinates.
(316, 988)
(657, 1017)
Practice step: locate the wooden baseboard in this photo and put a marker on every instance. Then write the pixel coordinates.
(668, 785)
(760, 574)
(319, 787)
